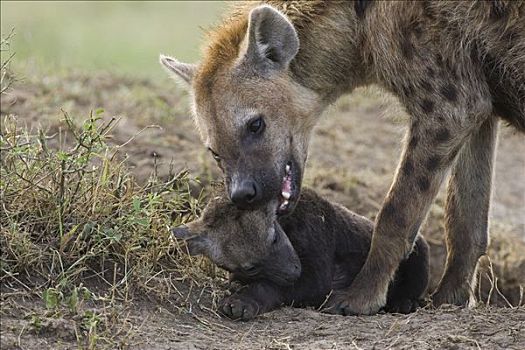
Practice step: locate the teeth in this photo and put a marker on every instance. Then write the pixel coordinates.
(284, 204)
(287, 168)
(286, 195)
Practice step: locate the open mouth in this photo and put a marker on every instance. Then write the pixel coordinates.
(286, 189)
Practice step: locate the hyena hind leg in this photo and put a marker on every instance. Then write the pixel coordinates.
(467, 211)
(410, 282)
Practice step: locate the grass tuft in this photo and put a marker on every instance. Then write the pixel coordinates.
(72, 214)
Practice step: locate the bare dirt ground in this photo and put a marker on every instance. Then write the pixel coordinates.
(353, 156)
(157, 327)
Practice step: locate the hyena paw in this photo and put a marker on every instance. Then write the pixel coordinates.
(454, 295)
(402, 305)
(348, 303)
(237, 307)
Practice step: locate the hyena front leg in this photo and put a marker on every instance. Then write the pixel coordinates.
(430, 149)
(467, 210)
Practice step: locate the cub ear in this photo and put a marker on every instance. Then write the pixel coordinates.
(272, 41)
(182, 71)
(181, 232)
(198, 244)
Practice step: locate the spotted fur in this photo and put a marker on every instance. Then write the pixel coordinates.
(457, 67)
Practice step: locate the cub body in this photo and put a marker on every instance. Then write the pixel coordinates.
(296, 259)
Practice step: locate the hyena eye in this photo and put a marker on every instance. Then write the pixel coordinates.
(215, 155)
(256, 126)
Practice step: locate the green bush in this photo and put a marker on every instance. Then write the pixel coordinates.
(72, 212)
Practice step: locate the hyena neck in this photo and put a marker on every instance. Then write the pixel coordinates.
(331, 60)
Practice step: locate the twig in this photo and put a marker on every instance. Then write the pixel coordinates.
(137, 134)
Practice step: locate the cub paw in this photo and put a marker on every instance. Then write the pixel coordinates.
(239, 308)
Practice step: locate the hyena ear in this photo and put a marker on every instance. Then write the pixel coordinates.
(272, 41)
(360, 7)
(198, 244)
(177, 69)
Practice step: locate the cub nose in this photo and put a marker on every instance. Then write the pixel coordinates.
(245, 194)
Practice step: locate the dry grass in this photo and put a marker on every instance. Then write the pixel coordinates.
(69, 211)
(6, 76)
(78, 231)
(83, 240)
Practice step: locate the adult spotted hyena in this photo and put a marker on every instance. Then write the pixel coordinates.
(270, 70)
(295, 259)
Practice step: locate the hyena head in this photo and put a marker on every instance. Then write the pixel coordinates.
(254, 118)
(248, 243)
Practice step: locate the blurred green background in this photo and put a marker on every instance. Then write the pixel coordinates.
(122, 37)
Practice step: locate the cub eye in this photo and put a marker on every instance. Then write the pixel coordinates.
(250, 269)
(256, 126)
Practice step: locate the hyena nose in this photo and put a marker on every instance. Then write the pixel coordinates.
(245, 193)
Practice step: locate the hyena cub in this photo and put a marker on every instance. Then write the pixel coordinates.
(296, 259)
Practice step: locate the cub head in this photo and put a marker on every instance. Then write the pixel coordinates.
(248, 243)
(253, 117)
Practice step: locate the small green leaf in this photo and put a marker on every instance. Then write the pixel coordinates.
(36, 322)
(143, 221)
(136, 204)
(117, 237)
(73, 300)
(51, 298)
(61, 155)
(86, 294)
